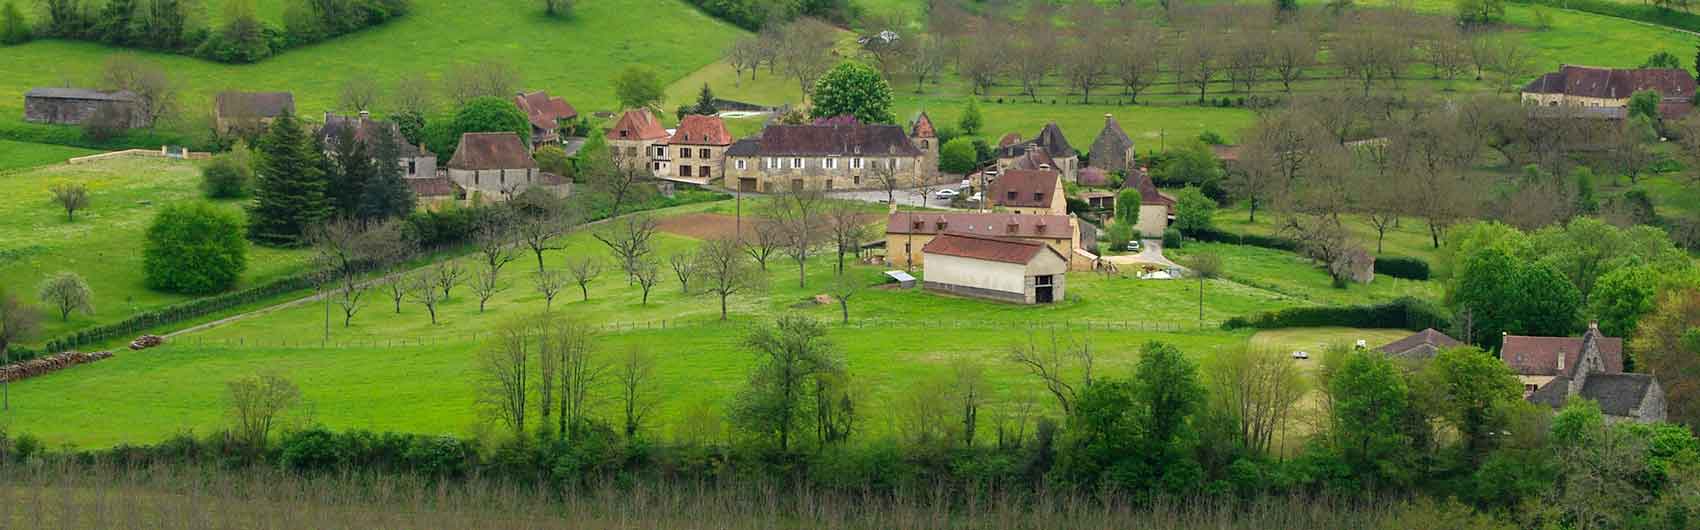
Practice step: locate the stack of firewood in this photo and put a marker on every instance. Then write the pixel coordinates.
(146, 341)
(59, 361)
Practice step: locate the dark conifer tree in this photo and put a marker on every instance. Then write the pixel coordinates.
(289, 191)
(387, 194)
(349, 170)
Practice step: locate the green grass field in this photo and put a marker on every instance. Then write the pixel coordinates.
(104, 244)
(21, 155)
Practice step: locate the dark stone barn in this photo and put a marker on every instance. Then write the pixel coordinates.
(74, 106)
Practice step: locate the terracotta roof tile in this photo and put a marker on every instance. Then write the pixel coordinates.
(497, 150)
(1423, 344)
(431, 186)
(544, 111)
(987, 248)
(1025, 188)
(992, 224)
(923, 127)
(701, 130)
(637, 124)
(1539, 355)
(1140, 179)
(1614, 83)
(365, 131)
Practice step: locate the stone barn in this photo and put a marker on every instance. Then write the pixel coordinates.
(73, 106)
(1008, 270)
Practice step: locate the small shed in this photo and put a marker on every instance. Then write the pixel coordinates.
(903, 279)
(1009, 270)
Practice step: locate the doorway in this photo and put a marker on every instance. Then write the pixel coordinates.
(1042, 289)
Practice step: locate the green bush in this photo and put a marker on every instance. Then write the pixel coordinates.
(957, 156)
(1218, 236)
(226, 178)
(1171, 238)
(1118, 235)
(195, 249)
(1402, 267)
(1402, 313)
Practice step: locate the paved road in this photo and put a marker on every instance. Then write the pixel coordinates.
(909, 197)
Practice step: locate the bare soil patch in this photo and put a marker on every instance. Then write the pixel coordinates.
(699, 225)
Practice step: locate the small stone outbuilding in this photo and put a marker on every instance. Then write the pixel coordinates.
(1009, 270)
(73, 106)
(250, 111)
(498, 166)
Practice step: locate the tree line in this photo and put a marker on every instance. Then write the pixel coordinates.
(180, 26)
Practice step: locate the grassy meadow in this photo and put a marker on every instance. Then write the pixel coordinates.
(104, 243)
(15, 156)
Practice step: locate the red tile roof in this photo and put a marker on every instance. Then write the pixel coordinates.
(494, 150)
(637, 124)
(1009, 140)
(1539, 355)
(923, 127)
(1093, 176)
(701, 130)
(1032, 188)
(994, 224)
(544, 111)
(1140, 179)
(974, 246)
(1614, 83)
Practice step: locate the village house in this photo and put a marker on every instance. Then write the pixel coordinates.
(546, 115)
(1112, 151)
(415, 160)
(1591, 366)
(73, 106)
(1050, 148)
(907, 232)
(1156, 208)
(435, 193)
(699, 146)
(995, 268)
(638, 138)
(1420, 346)
(249, 112)
(498, 166)
(831, 156)
(1024, 191)
(1610, 88)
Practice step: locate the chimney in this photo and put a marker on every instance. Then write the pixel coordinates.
(365, 115)
(1107, 118)
(1594, 327)
(328, 115)
(1561, 362)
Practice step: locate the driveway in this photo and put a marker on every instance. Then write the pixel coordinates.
(909, 197)
(1150, 251)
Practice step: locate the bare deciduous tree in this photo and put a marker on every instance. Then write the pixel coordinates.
(684, 264)
(584, 269)
(422, 289)
(798, 214)
(155, 91)
(805, 52)
(723, 268)
(926, 59)
(1258, 388)
(504, 369)
(647, 272)
(1050, 361)
(256, 402)
(549, 284)
(1290, 54)
(541, 234)
(970, 394)
(395, 286)
(447, 274)
(486, 282)
(348, 295)
(846, 227)
(744, 54)
(1136, 52)
(845, 285)
(1032, 52)
(359, 92)
(494, 246)
(627, 239)
(1246, 56)
(412, 93)
(1199, 59)
(766, 237)
(67, 292)
(70, 196)
(479, 79)
(579, 371)
(18, 322)
(636, 376)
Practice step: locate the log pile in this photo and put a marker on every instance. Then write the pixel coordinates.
(40, 366)
(146, 341)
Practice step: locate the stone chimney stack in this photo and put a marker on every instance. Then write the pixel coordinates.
(1107, 118)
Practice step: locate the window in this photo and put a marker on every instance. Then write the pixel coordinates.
(702, 171)
(1042, 280)
(856, 163)
(739, 164)
(702, 153)
(941, 225)
(923, 145)
(829, 184)
(796, 163)
(767, 163)
(622, 133)
(684, 152)
(684, 171)
(1013, 228)
(918, 225)
(1011, 196)
(1038, 196)
(856, 179)
(631, 151)
(412, 167)
(661, 152)
(831, 163)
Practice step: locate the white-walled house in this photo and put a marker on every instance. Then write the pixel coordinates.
(1009, 270)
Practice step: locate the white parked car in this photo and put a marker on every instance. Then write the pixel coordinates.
(1301, 355)
(975, 197)
(946, 193)
(966, 183)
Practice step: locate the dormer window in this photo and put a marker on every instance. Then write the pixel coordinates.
(1038, 196)
(1040, 228)
(1011, 196)
(918, 225)
(623, 133)
(941, 225)
(1014, 227)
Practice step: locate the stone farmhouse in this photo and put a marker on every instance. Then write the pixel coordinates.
(498, 166)
(906, 233)
(995, 268)
(639, 138)
(415, 160)
(1610, 88)
(546, 115)
(249, 111)
(1113, 150)
(73, 106)
(1057, 153)
(1029, 191)
(1591, 366)
(698, 147)
(828, 156)
(1155, 208)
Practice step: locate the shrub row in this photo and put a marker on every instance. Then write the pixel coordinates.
(242, 38)
(1634, 11)
(1402, 267)
(1219, 236)
(753, 14)
(179, 312)
(75, 137)
(1402, 313)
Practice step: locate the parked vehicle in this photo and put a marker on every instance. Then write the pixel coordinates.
(1301, 355)
(946, 193)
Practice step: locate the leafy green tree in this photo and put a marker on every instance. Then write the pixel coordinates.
(1100, 442)
(387, 195)
(1622, 297)
(1476, 393)
(1662, 59)
(1118, 234)
(194, 248)
(794, 356)
(1485, 286)
(1127, 207)
(957, 156)
(289, 192)
(637, 87)
(490, 114)
(1191, 164)
(1667, 341)
(971, 122)
(852, 89)
(1547, 304)
(68, 293)
(705, 102)
(1370, 403)
(1193, 211)
(1166, 387)
(14, 28)
(1644, 103)
(226, 178)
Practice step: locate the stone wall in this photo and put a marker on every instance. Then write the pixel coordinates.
(76, 111)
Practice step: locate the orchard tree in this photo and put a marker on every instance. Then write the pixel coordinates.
(67, 292)
(70, 196)
(194, 248)
(852, 89)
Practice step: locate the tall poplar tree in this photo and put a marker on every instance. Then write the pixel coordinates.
(289, 194)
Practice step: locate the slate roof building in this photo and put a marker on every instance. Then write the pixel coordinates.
(1591, 366)
(1062, 156)
(415, 160)
(1421, 345)
(249, 111)
(499, 166)
(1010, 270)
(1113, 149)
(1586, 86)
(545, 114)
(73, 106)
(836, 156)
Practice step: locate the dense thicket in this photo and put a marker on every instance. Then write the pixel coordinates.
(176, 26)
